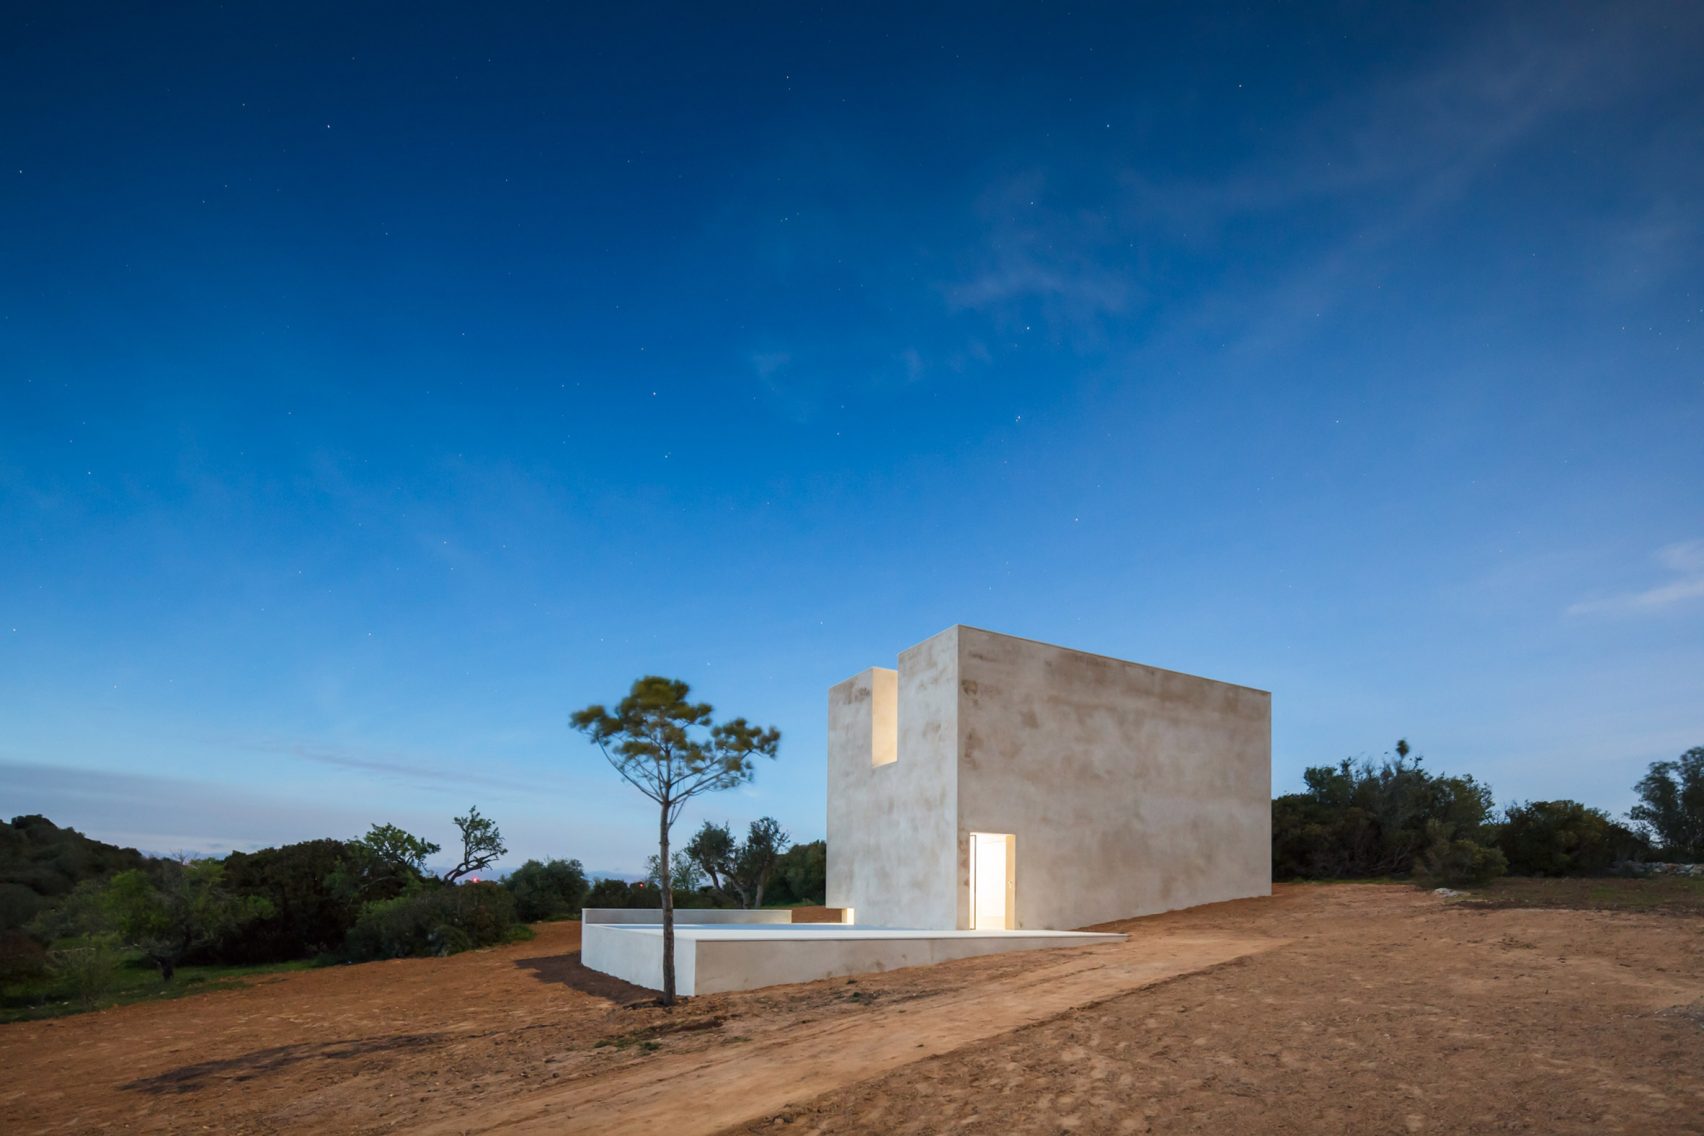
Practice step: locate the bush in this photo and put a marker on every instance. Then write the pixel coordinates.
(554, 889)
(1371, 820)
(447, 940)
(173, 911)
(88, 969)
(21, 958)
(1458, 863)
(801, 875)
(315, 891)
(620, 893)
(642, 895)
(19, 905)
(1563, 838)
(438, 919)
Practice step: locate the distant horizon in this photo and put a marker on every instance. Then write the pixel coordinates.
(437, 864)
(376, 391)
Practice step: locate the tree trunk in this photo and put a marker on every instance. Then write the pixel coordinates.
(667, 884)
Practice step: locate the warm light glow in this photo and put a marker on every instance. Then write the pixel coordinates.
(990, 881)
(884, 716)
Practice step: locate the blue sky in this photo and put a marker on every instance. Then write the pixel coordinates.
(377, 387)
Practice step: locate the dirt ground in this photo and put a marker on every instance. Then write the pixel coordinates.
(1347, 1008)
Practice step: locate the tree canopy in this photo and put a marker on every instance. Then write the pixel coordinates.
(399, 850)
(1671, 805)
(551, 889)
(41, 862)
(482, 845)
(1367, 819)
(739, 871)
(666, 746)
(174, 909)
(1563, 838)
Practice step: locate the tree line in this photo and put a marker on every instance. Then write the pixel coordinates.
(74, 911)
(1394, 817)
(74, 906)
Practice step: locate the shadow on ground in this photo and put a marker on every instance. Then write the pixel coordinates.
(191, 1078)
(568, 971)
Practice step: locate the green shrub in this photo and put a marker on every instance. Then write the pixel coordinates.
(41, 863)
(447, 940)
(21, 958)
(1459, 863)
(553, 889)
(438, 919)
(1563, 838)
(316, 890)
(1362, 819)
(801, 875)
(620, 893)
(171, 911)
(19, 905)
(88, 968)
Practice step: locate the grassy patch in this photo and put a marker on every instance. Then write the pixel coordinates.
(136, 981)
(1671, 895)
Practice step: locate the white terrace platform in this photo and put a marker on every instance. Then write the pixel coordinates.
(711, 958)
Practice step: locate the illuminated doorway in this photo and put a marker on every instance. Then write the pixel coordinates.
(992, 873)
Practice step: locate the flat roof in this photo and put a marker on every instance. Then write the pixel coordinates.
(1099, 655)
(1067, 650)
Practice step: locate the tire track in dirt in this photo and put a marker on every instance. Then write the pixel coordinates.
(706, 1092)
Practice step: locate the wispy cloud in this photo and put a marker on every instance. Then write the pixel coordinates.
(1646, 248)
(1383, 161)
(1043, 267)
(165, 814)
(796, 391)
(474, 773)
(768, 364)
(1684, 560)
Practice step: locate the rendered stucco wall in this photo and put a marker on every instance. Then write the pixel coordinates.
(891, 826)
(1130, 790)
(721, 965)
(710, 960)
(615, 948)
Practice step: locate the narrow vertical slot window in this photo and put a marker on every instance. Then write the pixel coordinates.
(884, 716)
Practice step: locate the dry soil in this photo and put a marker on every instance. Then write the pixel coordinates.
(1350, 1008)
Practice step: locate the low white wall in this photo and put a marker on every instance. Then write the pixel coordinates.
(635, 956)
(712, 962)
(721, 965)
(685, 916)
